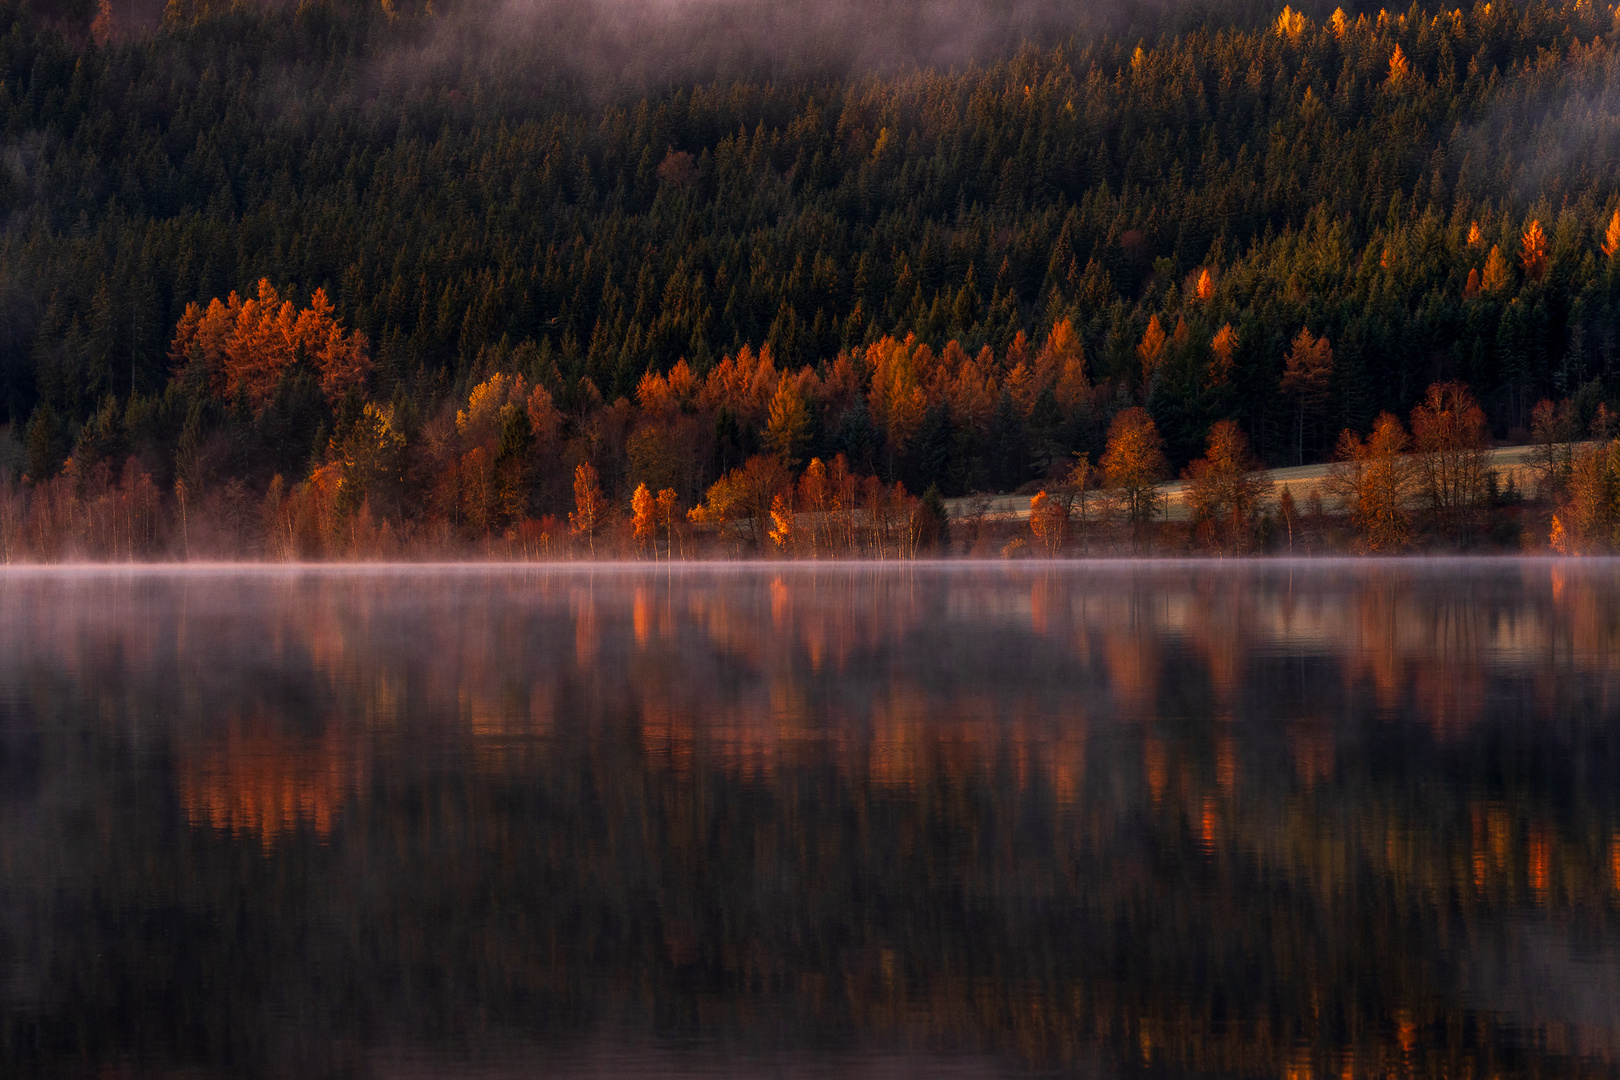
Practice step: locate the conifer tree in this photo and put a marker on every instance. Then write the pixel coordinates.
(1307, 373)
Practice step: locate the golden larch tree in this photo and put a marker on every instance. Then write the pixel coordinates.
(1400, 68)
(643, 518)
(1133, 464)
(668, 508)
(1533, 251)
(1290, 25)
(1497, 273)
(1611, 237)
(896, 399)
(1205, 289)
(1150, 353)
(246, 346)
(590, 508)
(788, 431)
(782, 532)
(1225, 488)
(1373, 480)
(1222, 354)
(1061, 364)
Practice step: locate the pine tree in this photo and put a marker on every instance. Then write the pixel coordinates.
(1307, 374)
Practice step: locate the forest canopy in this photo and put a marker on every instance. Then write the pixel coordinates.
(953, 275)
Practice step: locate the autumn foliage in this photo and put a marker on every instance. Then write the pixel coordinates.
(245, 347)
(1133, 465)
(1450, 435)
(1226, 490)
(1373, 478)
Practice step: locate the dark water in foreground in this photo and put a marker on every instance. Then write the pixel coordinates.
(1327, 820)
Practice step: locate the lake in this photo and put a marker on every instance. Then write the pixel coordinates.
(1346, 819)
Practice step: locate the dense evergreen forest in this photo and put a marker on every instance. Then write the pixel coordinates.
(416, 266)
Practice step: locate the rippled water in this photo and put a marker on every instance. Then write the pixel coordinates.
(1292, 820)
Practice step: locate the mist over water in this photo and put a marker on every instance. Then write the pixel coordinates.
(1178, 818)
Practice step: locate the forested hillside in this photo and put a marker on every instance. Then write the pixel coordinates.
(456, 256)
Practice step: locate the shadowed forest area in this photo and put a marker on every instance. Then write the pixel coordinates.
(336, 280)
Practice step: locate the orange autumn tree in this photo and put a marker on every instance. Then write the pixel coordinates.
(1400, 68)
(788, 431)
(1373, 480)
(1222, 354)
(590, 507)
(1204, 287)
(1061, 364)
(665, 509)
(1049, 522)
(643, 518)
(1451, 436)
(1224, 489)
(1150, 354)
(1497, 272)
(1611, 237)
(740, 502)
(897, 399)
(1585, 520)
(1533, 251)
(1132, 465)
(246, 346)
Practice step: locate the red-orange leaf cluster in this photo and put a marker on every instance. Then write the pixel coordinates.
(247, 345)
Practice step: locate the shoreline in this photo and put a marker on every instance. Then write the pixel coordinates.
(269, 567)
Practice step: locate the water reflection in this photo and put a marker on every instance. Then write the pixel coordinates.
(1304, 820)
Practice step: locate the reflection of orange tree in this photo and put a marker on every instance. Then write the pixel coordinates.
(947, 810)
(263, 781)
(932, 791)
(1412, 644)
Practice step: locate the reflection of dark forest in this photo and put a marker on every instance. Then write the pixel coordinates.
(1306, 822)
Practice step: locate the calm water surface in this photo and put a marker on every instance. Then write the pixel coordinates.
(1308, 820)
